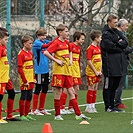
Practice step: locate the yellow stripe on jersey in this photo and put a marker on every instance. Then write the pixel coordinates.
(4, 70)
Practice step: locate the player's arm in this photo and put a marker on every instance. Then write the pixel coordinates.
(60, 62)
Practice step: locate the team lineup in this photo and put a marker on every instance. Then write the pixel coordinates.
(33, 70)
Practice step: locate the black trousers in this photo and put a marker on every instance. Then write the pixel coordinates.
(110, 86)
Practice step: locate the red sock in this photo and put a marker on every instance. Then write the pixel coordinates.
(75, 106)
(10, 104)
(94, 96)
(27, 107)
(42, 101)
(57, 107)
(63, 100)
(22, 107)
(34, 102)
(70, 103)
(89, 96)
(0, 110)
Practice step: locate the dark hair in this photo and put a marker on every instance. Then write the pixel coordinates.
(41, 32)
(60, 27)
(26, 38)
(77, 35)
(3, 33)
(111, 17)
(95, 34)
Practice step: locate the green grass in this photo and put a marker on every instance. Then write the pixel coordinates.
(101, 122)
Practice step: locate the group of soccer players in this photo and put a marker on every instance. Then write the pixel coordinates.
(33, 70)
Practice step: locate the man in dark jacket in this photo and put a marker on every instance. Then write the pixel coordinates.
(123, 26)
(112, 45)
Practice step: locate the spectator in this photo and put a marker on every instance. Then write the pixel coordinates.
(112, 45)
(122, 26)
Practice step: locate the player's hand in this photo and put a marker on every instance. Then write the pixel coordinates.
(26, 84)
(60, 62)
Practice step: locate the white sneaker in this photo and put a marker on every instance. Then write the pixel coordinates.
(59, 118)
(36, 112)
(81, 117)
(94, 110)
(71, 110)
(45, 112)
(63, 112)
(89, 110)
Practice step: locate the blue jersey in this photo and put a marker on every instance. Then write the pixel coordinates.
(41, 62)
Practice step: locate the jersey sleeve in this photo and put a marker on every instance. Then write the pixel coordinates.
(53, 47)
(89, 53)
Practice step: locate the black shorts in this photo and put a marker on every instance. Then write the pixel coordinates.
(42, 78)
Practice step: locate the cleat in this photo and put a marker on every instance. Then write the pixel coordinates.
(81, 117)
(58, 118)
(63, 112)
(36, 112)
(71, 110)
(24, 118)
(13, 119)
(3, 121)
(91, 110)
(30, 118)
(114, 110)
(45, 112)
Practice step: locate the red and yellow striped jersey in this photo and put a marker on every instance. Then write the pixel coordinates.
(76, 50)
(4, 65)
(93, 53)
(25, 62)
(61, 52)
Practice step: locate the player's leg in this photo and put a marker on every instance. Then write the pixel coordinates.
(43, 94)
(38, 88)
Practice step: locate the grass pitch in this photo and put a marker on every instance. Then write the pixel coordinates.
(101, 122)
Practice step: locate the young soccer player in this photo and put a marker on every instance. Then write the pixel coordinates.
(62, 74)
(41, 69)
(93, 70)
(78, 39)
(26, 77)
(5, 82)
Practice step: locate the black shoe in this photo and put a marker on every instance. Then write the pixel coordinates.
(111, 110)
(119, 110)
(13, 119)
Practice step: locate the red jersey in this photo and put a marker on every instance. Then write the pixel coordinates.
(25, 67)
(61, 52)
(93, 53)
(4, 65)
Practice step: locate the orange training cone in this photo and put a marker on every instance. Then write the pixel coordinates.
(47, 128)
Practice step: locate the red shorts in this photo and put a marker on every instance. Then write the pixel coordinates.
(30, 87)
(77, 81)
(93, 79)
(62, 81)
(5, 86)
